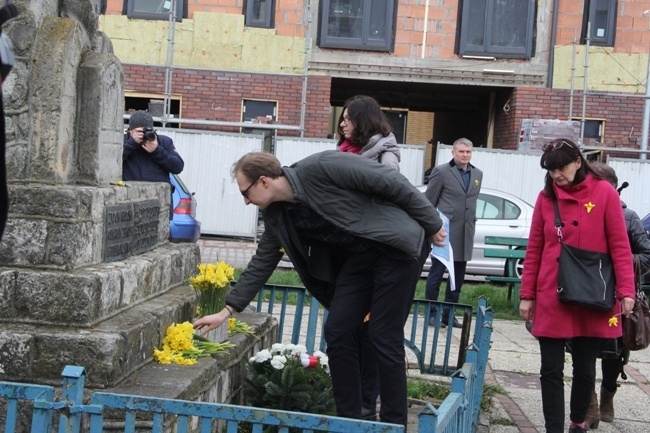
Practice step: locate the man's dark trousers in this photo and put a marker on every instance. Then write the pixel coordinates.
(434, 280)
(377, 282)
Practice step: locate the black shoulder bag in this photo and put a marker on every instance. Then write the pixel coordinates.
(585, 278)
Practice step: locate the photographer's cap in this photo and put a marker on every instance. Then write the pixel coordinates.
(141, 119)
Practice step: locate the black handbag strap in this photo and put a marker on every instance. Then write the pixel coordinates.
(558, 221)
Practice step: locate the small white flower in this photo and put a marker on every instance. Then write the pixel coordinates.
(278, 362)
(262, 355)
(299, 349)
(277, 348)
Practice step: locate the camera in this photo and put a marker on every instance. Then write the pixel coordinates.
(149, 134)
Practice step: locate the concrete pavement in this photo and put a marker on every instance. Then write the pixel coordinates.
(513, 365)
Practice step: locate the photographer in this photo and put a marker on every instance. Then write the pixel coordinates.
(146, 155)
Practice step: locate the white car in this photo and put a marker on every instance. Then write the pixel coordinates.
(498, 213)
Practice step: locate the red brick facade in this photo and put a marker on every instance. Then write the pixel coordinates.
(218, 95)
(622, 115)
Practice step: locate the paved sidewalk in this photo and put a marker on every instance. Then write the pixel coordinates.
(513, 365)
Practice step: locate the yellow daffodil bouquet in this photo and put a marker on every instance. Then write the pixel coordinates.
(211, 286)
(182, 346)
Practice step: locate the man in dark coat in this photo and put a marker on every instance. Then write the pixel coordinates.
(357, 233)
(453, 188)
(148, 156)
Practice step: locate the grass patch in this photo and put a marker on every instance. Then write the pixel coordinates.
(428, 390)
(436, 391)
(497, 296)
(502, 421)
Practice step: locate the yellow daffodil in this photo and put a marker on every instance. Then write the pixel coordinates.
(613, 321)
(238, 327)
(211, 285)
(181, 346)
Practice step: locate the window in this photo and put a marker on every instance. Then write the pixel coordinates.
(153, 103)
(354, 24)
(254, 111)
(602, 16)
(493, 207)
(154, 9)
(259, 13)
(497, 28)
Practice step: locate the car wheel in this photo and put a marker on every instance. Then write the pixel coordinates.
(519, 269)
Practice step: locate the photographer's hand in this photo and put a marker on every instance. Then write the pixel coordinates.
(150, 146)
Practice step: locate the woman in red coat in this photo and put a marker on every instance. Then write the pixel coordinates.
(592, 219)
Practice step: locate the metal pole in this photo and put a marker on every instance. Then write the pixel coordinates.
(573, 75)
(646, 106)
(584, 89)
(171, 30)
(305, 77)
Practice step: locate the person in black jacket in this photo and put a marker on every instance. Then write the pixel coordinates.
(148, 157)
(357, 233)
(612, 367)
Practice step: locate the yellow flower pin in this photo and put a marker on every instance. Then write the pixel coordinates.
(589, 206)
(476, 182)
(613, 321)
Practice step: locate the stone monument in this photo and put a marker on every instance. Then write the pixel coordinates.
(87, 275)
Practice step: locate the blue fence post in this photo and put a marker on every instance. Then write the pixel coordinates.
(428, 419)
(74, 379)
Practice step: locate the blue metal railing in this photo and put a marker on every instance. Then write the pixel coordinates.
(458, 413)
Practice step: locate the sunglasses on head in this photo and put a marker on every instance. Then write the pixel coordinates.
(555, 145)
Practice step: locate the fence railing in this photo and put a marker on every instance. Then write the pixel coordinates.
(458, 413)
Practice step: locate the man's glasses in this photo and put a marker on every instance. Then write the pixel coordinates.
(553, 145)
(245, 192)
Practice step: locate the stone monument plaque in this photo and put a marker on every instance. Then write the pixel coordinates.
(131, 229)
(146, 216)
(119, 232)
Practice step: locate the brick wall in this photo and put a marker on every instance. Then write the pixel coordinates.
(217, 95)
(632, 34)
(622, 115)
(419, 127)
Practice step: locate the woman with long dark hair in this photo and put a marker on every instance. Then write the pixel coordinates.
(365, 130)
(591, 219)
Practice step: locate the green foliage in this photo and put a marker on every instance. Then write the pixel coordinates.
(437, 391)
(288, 385)
(422, 389)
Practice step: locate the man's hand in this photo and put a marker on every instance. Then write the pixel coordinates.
(213, 321)
(439, 238)
(137, 135)
(150, 146)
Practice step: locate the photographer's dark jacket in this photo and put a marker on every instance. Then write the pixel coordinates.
(140, 165)
(360, 196)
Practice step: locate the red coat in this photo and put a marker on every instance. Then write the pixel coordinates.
(600, 229)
